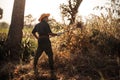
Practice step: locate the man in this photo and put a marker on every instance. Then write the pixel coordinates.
(43, 30)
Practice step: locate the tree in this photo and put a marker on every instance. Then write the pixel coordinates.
(1, 13)
(54, 25)
(112, 7)
(28, 20)
(4, 25)
(115, 7)
(14, 37)
(70, 10)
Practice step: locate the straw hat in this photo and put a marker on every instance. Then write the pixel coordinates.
(43, 16)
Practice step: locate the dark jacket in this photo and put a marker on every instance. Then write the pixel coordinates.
(43, 29)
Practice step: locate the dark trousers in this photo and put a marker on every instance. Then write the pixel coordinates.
(44, 46)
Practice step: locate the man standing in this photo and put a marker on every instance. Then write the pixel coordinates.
(43, 30)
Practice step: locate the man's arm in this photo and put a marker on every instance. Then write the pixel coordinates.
(35, 35)
(48, 30)
(34, 32)
(52, 34)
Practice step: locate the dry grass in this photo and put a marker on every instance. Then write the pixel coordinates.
(90, 53)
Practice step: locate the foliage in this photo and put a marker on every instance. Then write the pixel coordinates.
(29, 20)
(27, 51)
(70, 10)
(4, 25)
(112, 7)
(115, 7)
(90, 52)
(55, 26)
(97, 38)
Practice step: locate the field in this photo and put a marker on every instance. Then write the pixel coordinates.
(86, 53)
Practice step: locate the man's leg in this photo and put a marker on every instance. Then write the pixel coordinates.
(38, 54)
(51, 62)
(50, 58)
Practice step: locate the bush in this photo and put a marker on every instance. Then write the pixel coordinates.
(27, 50)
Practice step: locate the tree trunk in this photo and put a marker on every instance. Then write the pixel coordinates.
(15, 31)
(1, 13)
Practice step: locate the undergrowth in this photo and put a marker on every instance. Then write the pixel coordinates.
(90, 52)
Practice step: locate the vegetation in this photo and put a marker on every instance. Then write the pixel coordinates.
(89, 52)
(70, 10)
(86, 51)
